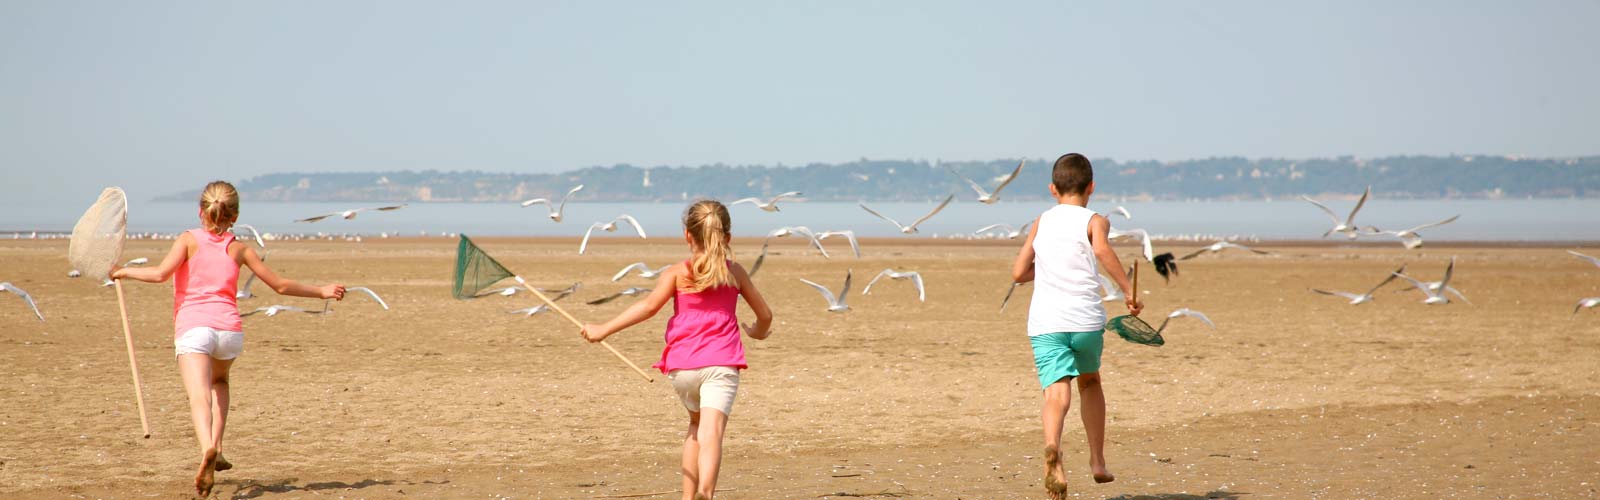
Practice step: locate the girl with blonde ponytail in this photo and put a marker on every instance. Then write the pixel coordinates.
(704, 353)
(204, 265)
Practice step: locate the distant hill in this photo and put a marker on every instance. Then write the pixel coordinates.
(1423, 177)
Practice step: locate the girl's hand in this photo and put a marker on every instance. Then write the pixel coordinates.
(116, 273)
(1134, 305)
(335, 292)
(594, 333)
(751, 331)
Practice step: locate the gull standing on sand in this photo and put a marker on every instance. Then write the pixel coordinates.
(915, 277)
(1592, 260)
(629, 292)
(1409, 237)
(835, 303)
(1004, 230)
(1185, 312)
(554, 209)
(770, 205)
(1220, 246)
(25, 298)
(1586, 303)
(644, 271)
(609, 227)
(855, 246)
(987, 197)
(1348, 225)
(911, 229)
(351, 214)
(1356, 300)
(1435, 295)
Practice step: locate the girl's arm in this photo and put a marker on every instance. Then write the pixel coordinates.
(1022, 268)
(285, 286)
(160, 273)
(641, 310)
(1099, 227)
(747, 289)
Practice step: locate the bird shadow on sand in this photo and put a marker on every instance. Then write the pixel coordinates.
(1214, 495)
(252, 489)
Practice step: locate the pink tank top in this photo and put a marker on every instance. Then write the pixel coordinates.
(703, 331)
(205, 286)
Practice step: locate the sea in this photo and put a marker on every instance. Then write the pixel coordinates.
(1504, 220)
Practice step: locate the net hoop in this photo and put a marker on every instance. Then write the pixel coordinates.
(96, 244)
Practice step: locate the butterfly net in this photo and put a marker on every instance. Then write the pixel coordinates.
(96, 244)
(1133, 329)
(475, 270)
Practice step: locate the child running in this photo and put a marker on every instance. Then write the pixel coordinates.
(704, 353)
(1066, 320)
(208, 334)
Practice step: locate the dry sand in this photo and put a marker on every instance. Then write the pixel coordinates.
(1294, 395)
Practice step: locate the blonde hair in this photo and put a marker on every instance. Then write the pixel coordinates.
(219, 206)
(710, 226)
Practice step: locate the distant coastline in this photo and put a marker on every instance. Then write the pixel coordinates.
(1224, 178)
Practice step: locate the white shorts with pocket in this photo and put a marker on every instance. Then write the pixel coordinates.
(219, 344)
(706, 387)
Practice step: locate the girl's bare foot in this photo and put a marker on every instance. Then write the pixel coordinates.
(1104, 476)
(1055, 478)
(205, 479)
(222, 463)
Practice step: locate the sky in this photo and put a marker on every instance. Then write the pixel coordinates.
(161, 97)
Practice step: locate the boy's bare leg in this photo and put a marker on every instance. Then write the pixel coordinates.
(196, 372)
(219, 407)
(1057, 400)
(1094, 425)
(712, 424)
(691, 457)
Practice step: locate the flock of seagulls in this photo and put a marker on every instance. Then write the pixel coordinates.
(1410, 238)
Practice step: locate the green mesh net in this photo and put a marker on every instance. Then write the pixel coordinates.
(475, 270)
(1133, 329)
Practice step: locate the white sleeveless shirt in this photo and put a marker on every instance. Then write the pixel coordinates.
(1066, 287)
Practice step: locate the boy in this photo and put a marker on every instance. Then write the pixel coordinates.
(1066, 320)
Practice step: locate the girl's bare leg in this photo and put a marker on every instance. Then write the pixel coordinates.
(197, 377)
(712, 424)
(1057, 400)
(219, 406)
(1094, 425)
(691, 457)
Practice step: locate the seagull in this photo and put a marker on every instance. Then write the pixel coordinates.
(25, 298)
(254, 234)
(1592, 260)
(628, 292)
(532, 310)
(986, 197)
(770, 205)
(244, 290)
(1348, 225)
(644, 271)
(273, 310)
(609, 227)
(1112, 293)
(835, 304)
(1436, 286)
(350, 214)
(555, 210)
(911, 229)
(1220, 246)
(1005, 230)
(1355, 299)
(369, 293)
(784, 232)
(137, 262)
(74, 273)
(1006, 300)
(1435, 295)
(915, 277)
(855, 246)
(1589, 303)
(1120, 210)
(1409, 237)
(1166, 266)
(1185, 312)
(1144, 239)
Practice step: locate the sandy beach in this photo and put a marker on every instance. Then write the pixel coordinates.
(1293, 395)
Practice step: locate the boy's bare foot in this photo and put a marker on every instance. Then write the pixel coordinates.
(222, 463)
(1104, 476)
(204, 480)
(1055, 478)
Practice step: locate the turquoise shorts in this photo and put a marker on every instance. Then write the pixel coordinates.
(1066, 354)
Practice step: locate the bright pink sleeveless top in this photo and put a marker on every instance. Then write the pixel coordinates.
(205, 286)
(703, 331)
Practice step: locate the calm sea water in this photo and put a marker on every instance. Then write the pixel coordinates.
(1497, 220)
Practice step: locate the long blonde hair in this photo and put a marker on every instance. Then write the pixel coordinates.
(219, 206)
(710, 226)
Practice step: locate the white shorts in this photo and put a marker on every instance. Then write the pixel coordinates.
(707, 387)
(219, 344)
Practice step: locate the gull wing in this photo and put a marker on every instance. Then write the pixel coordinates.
(1009, 178)
(1193, 314)
(537, 201)
(1196, 253)
(916, 278)
(1458, 294)
(868, 289)
(632, 222)
(1324, 208)
(1123, 211)
(991, 227)
(975, 186)
(880, 216)
(1418, 284)
(1436, 224)
(752, 201)
(260, 243)
(826, 293)
(316, 218)
(604, 299)
(1386, 280)
(1111, 290)
(1592, 260)
(582, 247)
(388, 208)
(1448, 270)
(784, 195)
(25, 298)
(844, 293)
(759, 260)
(1242, 247)
(369, 293)
(564, 199)
(257, 311)
(936, 210)
(1347, 295)
(1351, 220)
(850, 236)
(631, 267)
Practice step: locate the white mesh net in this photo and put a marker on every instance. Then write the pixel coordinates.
(96, 243)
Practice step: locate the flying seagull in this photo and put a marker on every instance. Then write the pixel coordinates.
(1144, 240)
(554, 209)
(351, 214)
(25, 298)
(784, 232)
(1409, 237)
(849, 235)
(915, 277)
(1365, 297)
(1109, 289)
(254, 234)
(273, 310)
(532, 310)
(911, 229)
(1592, 260)
(1010, 291)
(1439, 286)
(136, 262)
(1588, 302)
(1434, 295)
(1004, 230)
(1185, 312)
(644, 271)
(629, 292)
(987, 197)
(244, 290)
(609, 227)
(559, 294)
(1166, 266)
(835, 303)
(770, 205)
(1120, 210)
(1348, 225)
(1220, 246)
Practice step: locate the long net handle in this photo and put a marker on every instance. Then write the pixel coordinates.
(1136, 278)
(133, 362)
(579, 324)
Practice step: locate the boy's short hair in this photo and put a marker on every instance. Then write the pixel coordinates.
(1072, 174)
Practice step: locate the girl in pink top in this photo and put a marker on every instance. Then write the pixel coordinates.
(703, 355)
(205, 315)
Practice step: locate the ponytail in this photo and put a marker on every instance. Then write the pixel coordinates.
(709, 224)
(219, 206)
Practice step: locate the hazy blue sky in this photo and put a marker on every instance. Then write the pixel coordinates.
(160, 97)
